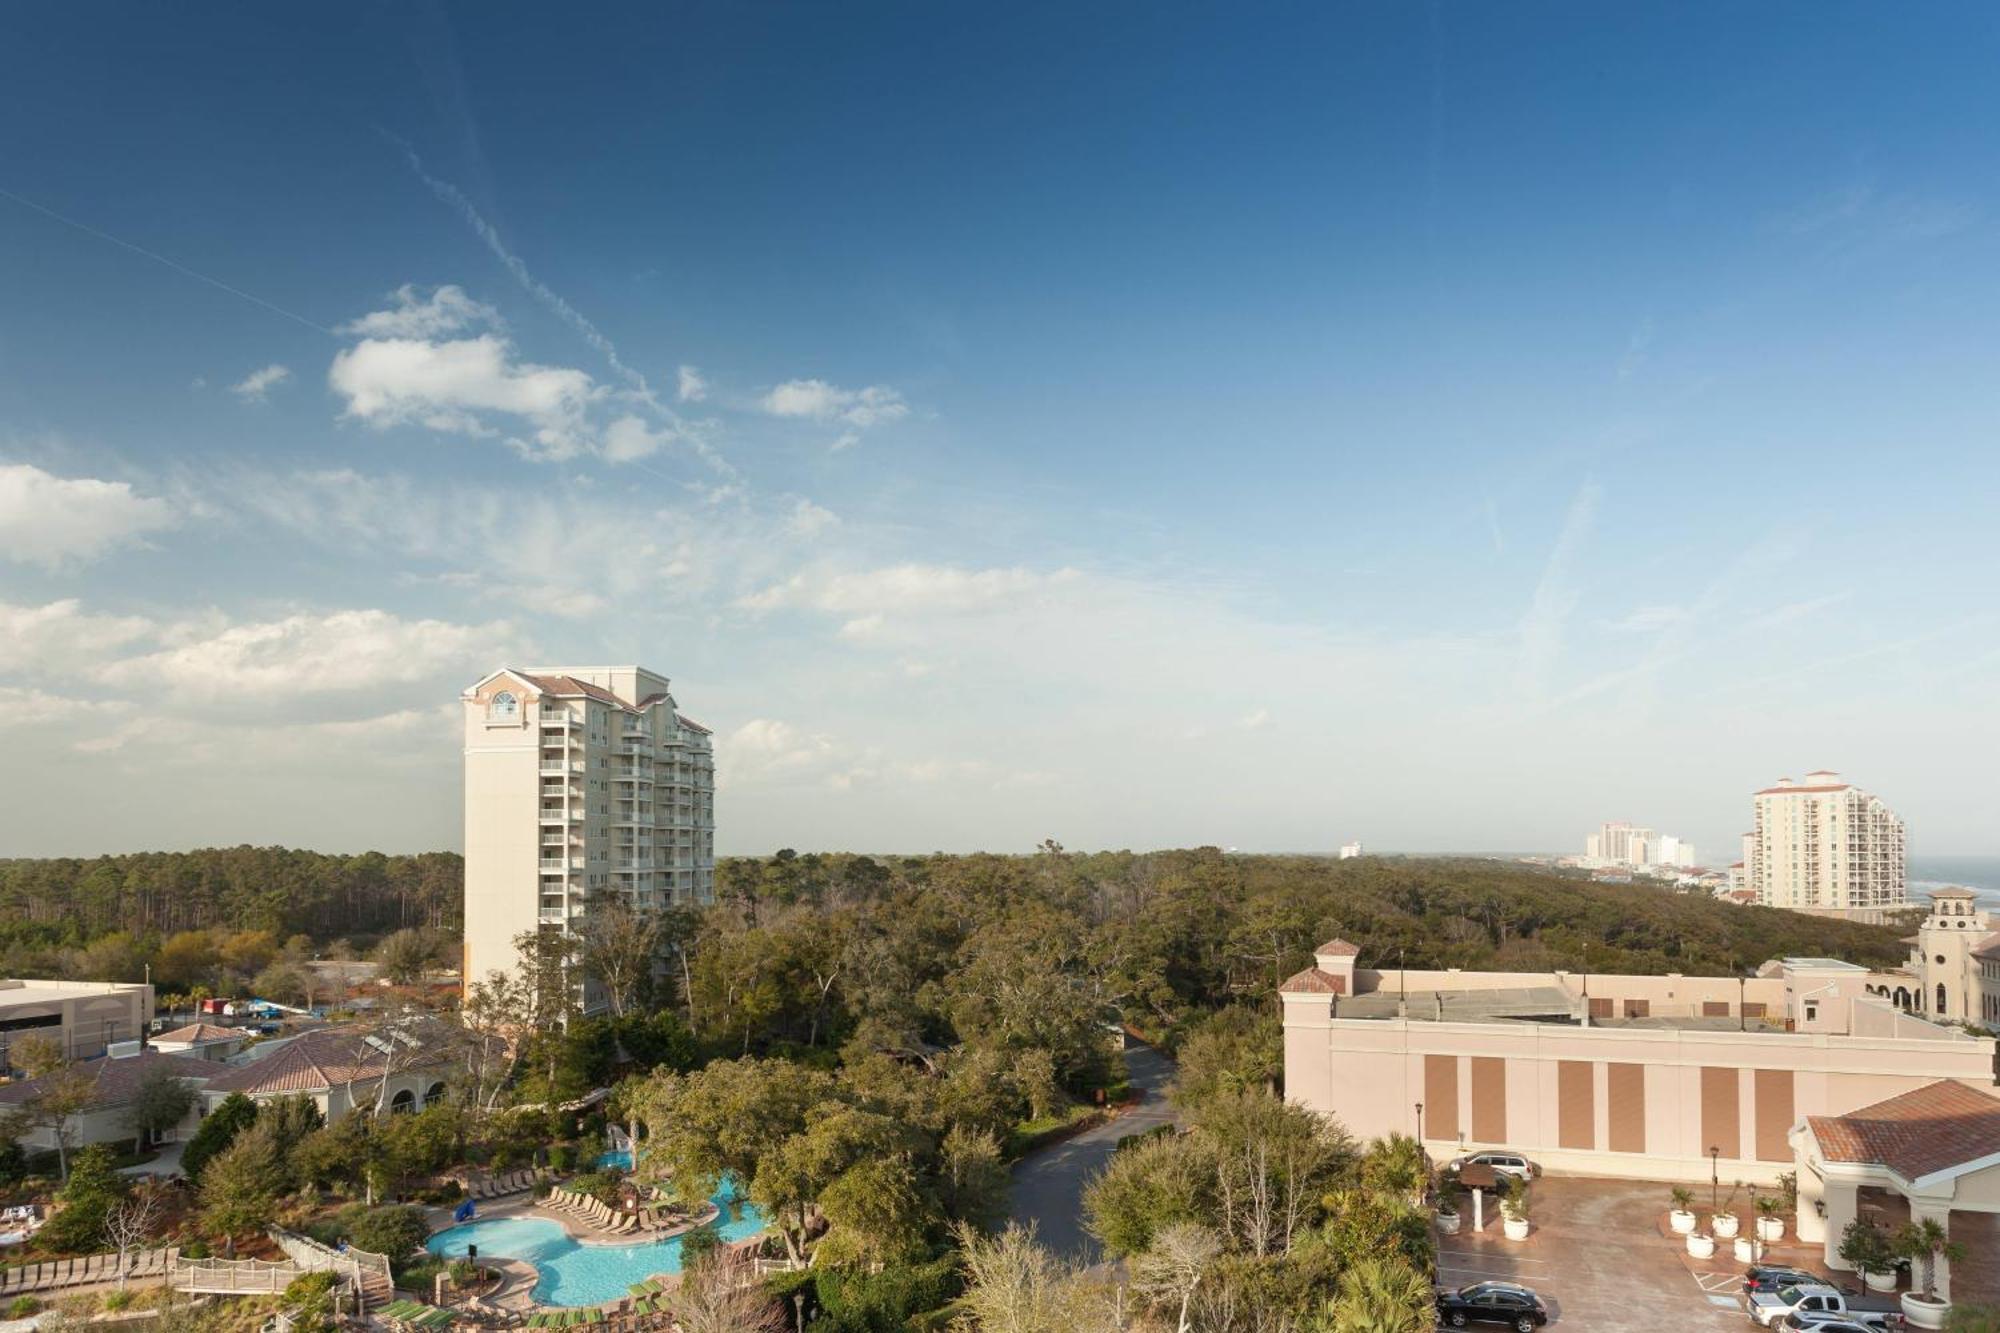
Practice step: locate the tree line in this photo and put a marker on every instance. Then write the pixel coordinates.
(47, 906)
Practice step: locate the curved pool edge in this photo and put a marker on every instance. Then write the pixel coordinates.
(551, 1255)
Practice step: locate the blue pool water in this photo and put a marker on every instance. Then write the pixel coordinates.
(579, 1274)
(618, 1157)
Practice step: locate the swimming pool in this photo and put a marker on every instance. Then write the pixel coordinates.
(578, 1274)
(621, 1158)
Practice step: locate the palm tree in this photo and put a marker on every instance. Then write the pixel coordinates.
(1926, 1242)
(1382, 1295)
(1397, 1164)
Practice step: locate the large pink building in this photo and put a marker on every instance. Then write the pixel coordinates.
(1664, 1077)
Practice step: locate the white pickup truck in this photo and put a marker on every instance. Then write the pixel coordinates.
(1815, 1301)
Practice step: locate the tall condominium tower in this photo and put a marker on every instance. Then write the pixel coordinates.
(583, 786)
(1826, 846)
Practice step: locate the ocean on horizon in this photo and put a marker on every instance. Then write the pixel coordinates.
(1971, 872)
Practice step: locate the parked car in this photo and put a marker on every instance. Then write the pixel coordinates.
(1770, 1277)
(1814, 1298)
(1503, 1164)
(1841, 1323)
(1509, 1303)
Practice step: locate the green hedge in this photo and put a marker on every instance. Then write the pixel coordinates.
(892, 1301)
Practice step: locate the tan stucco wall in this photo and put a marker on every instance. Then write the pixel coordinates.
(1369, 1074)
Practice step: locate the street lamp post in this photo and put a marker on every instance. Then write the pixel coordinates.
(1714, 1180)
(1420, 1124)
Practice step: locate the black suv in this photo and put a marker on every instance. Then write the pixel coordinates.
(1770, 1277)
(1506, 1303)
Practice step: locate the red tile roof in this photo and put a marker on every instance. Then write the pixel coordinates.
(197, 1033)
(1312, 981)
(692, 725)
(118, 1080)
(1780, 791)
(562, 686)
(1930, 1129)
(1340, 949)
(1989, 947)
(312, 1062)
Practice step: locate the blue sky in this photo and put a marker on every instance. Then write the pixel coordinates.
(1443, 426)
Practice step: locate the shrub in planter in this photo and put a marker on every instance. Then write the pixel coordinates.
(1514, 1208)
(1770, 1218)
(1701, 1245)
(1682, 1218)
(1723, 1221)
(1923, 1243)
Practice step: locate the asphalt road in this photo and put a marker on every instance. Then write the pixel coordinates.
(1048, 1185)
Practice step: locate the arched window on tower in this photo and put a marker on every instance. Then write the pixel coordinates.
(502, 707)
(1941, 1000)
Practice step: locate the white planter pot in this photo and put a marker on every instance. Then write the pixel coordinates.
(1701, 1245)
(1724, 1225)
(1681, 1220)
(1515, 1228)
(1745, 1250)
(1880, 1281)
(1922, 1313)
(1448, 1224)
(1770, 1228)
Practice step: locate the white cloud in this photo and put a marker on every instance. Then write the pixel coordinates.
(61, 638)
(1255, 719)
(905, 587)
(765, 748)
(846, 440)
(816, 400)
(1650, 619)
(455, 386)
(630, 438)
(30, 707)
(693, 388)
(309, 653)
(53, 521)
(446, 310)
(809, 519)
(406, 371)
(252, 387)
(533, 548)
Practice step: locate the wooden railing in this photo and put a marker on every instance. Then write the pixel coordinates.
(235, 1276)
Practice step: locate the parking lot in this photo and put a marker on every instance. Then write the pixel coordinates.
(1597, 1257)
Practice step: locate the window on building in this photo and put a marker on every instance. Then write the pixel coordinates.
(1940, 997)
(503, 707)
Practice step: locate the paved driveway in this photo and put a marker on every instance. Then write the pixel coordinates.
(1599, 1260)
(1048, 1185)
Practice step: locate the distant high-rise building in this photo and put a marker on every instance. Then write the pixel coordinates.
(1621, 844)
(1349, 850)
(1675, 852)
(1826, 846)
(583, 787)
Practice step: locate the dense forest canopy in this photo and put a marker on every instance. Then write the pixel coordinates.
(1158, 932)
(67, 901)
(802, 948)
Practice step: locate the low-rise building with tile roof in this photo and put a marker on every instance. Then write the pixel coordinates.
(1932, 1152)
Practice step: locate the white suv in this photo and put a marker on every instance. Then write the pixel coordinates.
(1503, 1164)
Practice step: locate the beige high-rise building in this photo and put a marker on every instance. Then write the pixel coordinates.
(583, 786)
(1827, 847)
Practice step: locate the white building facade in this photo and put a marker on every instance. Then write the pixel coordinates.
(583, 786)
(1827, 847)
